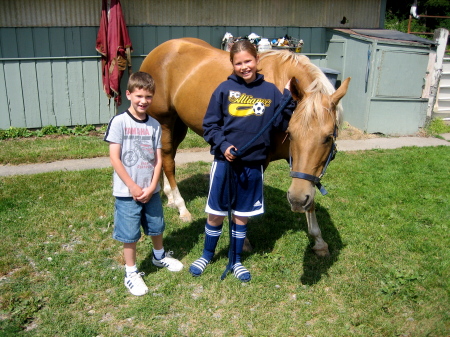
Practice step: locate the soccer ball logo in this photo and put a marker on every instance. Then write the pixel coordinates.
(258, 108)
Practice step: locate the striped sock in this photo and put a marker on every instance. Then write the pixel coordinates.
(212, 235)
(238, 233)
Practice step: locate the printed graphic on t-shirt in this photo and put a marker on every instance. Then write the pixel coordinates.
(243, 105)
(141, 150)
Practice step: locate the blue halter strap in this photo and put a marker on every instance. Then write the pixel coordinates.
(316, 180)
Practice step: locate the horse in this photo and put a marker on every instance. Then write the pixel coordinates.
(187, 71)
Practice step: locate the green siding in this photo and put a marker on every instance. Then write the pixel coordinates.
(396, 116)
(51, 75)
(4, 111)
(211, 13)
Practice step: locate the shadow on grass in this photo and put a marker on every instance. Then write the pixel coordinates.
(313, 266)
(183, 240)
(278, 220)
(264, 231)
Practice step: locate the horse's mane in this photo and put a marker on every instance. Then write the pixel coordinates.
(319, 85)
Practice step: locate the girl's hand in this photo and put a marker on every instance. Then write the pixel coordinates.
(228, 155)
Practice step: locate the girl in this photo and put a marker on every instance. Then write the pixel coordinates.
(239, 108)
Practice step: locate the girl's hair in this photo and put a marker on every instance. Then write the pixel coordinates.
(243, 45)
(141, 80)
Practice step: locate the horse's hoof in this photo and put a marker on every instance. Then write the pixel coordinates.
(247, 246)
(172, 205)
(322, 252)
(186, 217)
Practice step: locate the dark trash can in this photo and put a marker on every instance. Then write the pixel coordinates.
(331, 74)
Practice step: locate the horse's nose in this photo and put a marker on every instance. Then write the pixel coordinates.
(299, 204)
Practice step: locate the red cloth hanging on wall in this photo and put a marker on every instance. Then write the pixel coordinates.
(114, 44)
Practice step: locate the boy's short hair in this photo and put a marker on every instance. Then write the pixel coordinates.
(141, 80)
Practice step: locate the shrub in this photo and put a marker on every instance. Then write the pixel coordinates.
(47, 130)
(82, 129)
(436, 126)
(14, 132)
(64, 130)
(3, 134)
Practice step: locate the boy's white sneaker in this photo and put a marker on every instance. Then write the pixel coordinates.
(168, 262)
(136, 284)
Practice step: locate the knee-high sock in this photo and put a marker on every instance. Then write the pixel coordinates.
(212, 235)
(238, 233)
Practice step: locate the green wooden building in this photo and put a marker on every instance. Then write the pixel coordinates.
(389, 72)
(50, 70)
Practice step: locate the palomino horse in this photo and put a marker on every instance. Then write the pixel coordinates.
(187, 71)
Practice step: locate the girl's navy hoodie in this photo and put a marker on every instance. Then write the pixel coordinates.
(235, 115)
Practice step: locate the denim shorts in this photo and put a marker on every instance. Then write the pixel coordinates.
(130, 215)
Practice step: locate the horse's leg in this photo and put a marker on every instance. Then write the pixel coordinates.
(320, 246)
(168, 192)
(247, 246)
(167, 160)
(172, 137)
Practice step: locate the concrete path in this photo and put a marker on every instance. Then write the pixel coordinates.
(389, 143)
(187, 157)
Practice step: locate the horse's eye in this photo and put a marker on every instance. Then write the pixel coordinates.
(328, 139)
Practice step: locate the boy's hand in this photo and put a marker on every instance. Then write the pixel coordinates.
(145, 196)
(136, 192)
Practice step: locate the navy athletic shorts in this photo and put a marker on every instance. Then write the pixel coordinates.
(247, 190)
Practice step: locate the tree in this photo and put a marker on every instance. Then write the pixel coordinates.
(398, 11)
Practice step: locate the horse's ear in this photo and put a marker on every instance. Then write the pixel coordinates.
(296, 90)
(340, 92)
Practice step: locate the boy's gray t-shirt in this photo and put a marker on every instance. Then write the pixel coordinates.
(139, 140)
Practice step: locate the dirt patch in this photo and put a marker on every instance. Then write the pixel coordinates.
(194, 149)
(348, 132)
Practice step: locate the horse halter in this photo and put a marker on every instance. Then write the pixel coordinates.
(315, 179)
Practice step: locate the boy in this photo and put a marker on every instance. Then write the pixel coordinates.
(135, 152)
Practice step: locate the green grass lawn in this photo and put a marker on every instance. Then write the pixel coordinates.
(52, 148)
(386, 220)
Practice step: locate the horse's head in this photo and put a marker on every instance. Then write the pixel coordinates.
(312, 132)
